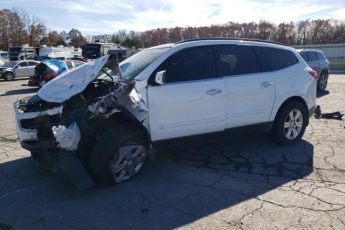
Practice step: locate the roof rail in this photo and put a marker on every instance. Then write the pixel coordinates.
(228, 38)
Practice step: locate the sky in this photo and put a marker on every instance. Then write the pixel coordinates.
(93, 17)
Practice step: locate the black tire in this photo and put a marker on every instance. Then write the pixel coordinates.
(106, 151)
(322, 82)
(9, 76)
(279, 132)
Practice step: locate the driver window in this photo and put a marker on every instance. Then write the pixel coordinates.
(191, 64)
(22, 64)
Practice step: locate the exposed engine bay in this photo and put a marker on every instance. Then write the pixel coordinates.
(64, 123)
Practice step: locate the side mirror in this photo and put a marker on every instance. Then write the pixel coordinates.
(160, 77)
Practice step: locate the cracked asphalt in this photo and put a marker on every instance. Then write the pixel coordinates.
(239, 183)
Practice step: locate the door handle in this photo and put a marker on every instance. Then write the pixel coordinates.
(266, 84)
(213, 91)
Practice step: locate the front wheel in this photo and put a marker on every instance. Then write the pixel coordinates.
(119, 155)
(290, 123)
(9, 76)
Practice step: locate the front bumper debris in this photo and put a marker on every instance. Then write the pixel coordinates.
(66, 166)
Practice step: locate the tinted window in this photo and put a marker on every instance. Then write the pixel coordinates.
(77, 63)
(312, 56)
(275, 59)
(31, 63)
(304, 56)
(320, 56)
(190, 64)
(23, 64)
(69, 64)
(234, 60)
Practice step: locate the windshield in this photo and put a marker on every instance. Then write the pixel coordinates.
(91, 50)
(14, 50)
(9, 64)
(132, 66)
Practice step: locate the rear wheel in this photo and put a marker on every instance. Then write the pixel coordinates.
(9, 76)
(290, 123)
(119, 155)
(322, 82)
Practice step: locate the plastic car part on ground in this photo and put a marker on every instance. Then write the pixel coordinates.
(333, 115)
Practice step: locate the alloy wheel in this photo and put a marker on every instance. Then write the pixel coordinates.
(323, 81)
(293, 124)
(129, 160)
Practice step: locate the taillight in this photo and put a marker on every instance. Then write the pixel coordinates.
(49, 75)
(313, 74)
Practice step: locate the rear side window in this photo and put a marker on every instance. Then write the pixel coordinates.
(320, 56)
(312, 56)
(275, 59)
(22, 64)
(235, 59)
(77, 63)
(31, 63)
(190, 64)
(69, 64)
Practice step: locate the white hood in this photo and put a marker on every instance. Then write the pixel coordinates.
(72, 82)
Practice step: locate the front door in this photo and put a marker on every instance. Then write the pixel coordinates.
(192, 99)
(21, 69)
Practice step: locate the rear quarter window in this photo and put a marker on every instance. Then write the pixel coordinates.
(273, 59)
(320, 56)
(312, 56)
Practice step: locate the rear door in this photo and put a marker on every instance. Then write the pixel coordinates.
(192, 101)
(250, 93)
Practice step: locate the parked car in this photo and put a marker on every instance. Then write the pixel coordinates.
(51, 68)
(13, 69)
(104, 128)
(318, 62)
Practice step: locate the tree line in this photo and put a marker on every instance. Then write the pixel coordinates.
(304, 32)
(17, 27)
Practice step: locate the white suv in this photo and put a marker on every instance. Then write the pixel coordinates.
(105, 117)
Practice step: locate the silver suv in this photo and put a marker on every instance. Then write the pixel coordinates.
(318, 62)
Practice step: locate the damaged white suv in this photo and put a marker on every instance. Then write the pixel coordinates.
(98, 122)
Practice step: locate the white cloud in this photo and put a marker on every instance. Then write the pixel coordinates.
(98, 16)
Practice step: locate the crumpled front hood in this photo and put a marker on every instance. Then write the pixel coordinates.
(72, 82)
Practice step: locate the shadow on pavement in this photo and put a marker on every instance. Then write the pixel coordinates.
(183, 185)
(19, 91)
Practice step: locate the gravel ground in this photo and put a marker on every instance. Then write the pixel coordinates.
(246, 183)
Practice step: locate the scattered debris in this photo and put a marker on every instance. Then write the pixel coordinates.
(334, 115)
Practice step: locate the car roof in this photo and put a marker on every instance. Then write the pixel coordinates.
(230, 39)
(308, 50)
